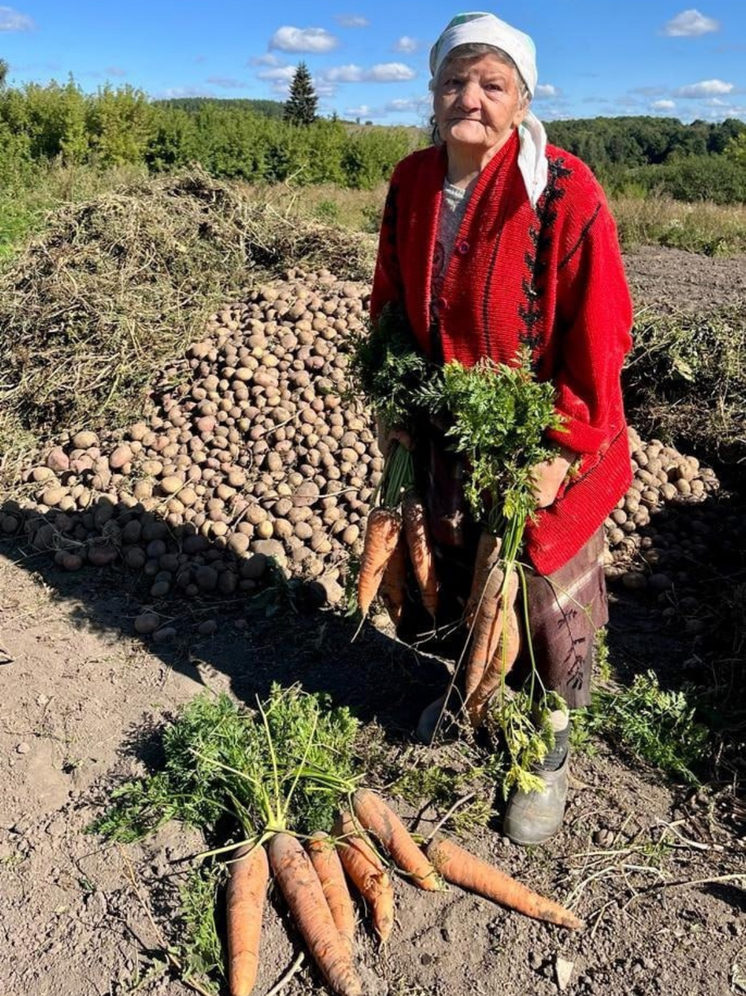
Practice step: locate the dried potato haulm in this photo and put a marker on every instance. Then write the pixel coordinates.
(117, 286)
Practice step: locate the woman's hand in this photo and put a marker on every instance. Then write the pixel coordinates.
(549, 475)
(388, 436)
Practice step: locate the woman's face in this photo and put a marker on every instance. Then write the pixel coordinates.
(477, 103)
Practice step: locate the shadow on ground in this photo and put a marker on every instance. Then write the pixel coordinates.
(268, 629)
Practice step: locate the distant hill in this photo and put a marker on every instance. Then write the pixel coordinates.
(267, 108)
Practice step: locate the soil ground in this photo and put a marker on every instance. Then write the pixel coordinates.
(639, 857)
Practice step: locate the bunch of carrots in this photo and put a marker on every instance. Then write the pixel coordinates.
(394, 377)
(498, 416)
(313, 882)
(222, 759)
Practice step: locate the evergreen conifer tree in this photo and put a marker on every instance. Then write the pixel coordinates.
(300, 107)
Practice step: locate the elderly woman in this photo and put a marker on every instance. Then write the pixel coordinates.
(493, 240)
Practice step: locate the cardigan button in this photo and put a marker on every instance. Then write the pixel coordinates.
(441, 304)
(463, 247)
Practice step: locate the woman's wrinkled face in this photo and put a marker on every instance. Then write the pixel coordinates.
(477, 103)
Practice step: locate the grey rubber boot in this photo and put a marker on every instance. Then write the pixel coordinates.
(428, 721)
(534, 817)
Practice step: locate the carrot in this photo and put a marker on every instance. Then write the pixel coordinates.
(488, 555)
(458, 866)
(247, 887)
(476, 662)
(303, 893)
(381, 537)
(325, 859)
(374, 815)
(368, 874)
(486, 628)
(503, 658)
(420, 552)
(394, 583)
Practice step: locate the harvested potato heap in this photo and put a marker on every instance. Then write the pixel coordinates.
(249, 448)
(661, 533)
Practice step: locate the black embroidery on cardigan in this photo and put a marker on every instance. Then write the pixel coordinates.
(540, 234)
(586, 228)
(487, 296)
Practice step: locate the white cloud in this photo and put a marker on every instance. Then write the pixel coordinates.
(14, 20)
(421, 106)
(545, 90)
(227, 82)
(186, 91)
(402, 106)
(323, 88)
(358, 112)
(353, 21)
(650, 91)
(268, 59)
(705, 88)
(115, 71)
(663, 105)
(384, 72)
(344, 74)
(406, 44)
(282, 73)
(281, 77)
(36, 67)
(289, 39)
(690, 24)
(389, 72)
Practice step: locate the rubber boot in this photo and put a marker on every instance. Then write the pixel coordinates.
(428, 721)
(533, 817)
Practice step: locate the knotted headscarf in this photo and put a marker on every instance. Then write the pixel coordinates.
(486, 29)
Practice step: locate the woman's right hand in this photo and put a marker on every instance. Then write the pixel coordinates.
(388, 436)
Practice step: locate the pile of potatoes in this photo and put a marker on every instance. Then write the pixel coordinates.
(663, 533)
(251, 450)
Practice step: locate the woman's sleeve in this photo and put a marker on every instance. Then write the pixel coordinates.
(594, 312)
(387, 282)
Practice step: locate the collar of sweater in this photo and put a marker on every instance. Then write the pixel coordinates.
(508, 151)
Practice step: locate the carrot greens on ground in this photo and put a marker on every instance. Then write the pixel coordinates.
(221, 760)
(261, 777)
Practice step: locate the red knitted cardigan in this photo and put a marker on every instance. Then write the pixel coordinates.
(550, 278)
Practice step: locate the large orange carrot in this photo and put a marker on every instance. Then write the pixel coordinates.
(381, 536)
(302, 890)
(367, 872)
(247, 887)
(373, 814)
(325, 859)
(458, 866)
(488, 555)
(394, 583)
(420, 551)
(504, 656)
(485, 631)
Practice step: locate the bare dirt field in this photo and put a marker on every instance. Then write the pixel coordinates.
(651, 865)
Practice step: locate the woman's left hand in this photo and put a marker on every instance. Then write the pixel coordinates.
(549, 475)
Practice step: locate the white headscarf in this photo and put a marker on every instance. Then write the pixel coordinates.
(486, 29)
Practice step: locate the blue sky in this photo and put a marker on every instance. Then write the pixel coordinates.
(369, 59)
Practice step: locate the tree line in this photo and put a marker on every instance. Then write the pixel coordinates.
(263, 141)
(689, 162)
(119, 126)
